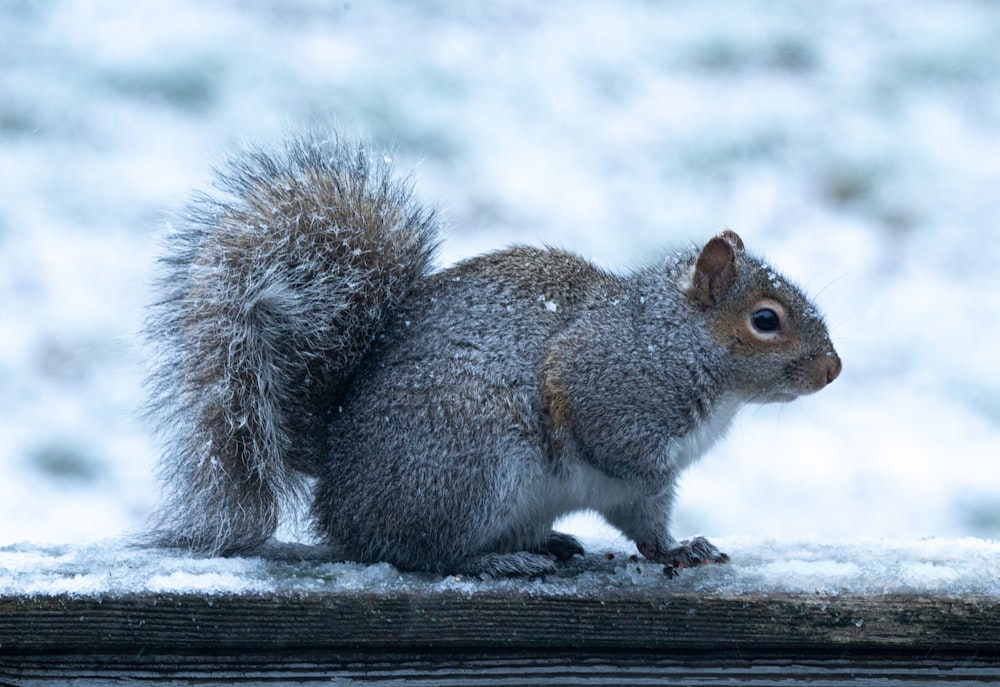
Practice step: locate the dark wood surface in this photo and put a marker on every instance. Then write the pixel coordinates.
(509, 636)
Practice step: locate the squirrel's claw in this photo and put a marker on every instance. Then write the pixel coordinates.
(688, 553)
(694, 552)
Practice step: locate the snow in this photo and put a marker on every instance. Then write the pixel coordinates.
(855, 144)
(865, 566)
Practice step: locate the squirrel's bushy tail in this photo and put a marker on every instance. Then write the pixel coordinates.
(272, 290)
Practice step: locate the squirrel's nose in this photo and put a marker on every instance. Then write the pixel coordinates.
(833, 366)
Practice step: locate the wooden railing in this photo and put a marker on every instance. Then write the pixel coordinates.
(496, 636)
(562, 631)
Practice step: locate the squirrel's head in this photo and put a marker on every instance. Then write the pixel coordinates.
(774, 337)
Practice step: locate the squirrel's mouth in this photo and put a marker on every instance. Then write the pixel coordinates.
(809, 375)
(820, 371)
(796, 386)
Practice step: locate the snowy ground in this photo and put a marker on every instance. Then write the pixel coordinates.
(856, 144)
(951, 567)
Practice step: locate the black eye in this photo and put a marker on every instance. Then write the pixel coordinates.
(766, 320)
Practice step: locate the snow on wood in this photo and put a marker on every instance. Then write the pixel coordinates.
(107, 610)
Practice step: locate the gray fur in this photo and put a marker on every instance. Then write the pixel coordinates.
(450, 418)
(273, 289)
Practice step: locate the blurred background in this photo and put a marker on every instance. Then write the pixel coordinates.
(856, 144)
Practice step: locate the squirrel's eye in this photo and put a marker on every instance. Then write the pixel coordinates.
(766, 320)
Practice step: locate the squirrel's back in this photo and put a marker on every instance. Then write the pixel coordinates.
(273, 289)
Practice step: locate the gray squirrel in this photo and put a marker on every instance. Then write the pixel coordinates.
(443, 420)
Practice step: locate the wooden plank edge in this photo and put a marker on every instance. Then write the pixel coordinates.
(180, 625)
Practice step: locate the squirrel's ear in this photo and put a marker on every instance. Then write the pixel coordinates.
(734, 239)
(715, 271)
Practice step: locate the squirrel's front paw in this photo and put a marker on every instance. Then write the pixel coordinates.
(688, 553)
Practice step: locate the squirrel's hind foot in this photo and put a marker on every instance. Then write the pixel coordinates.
(563, 546)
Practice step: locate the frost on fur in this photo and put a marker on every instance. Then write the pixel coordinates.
(271, 290)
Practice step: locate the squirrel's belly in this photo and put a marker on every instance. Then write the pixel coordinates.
(583, 487)
(703, 436)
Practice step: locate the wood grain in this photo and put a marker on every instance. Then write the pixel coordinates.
(503, 633)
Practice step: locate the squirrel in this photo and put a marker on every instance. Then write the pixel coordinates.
(442, 419)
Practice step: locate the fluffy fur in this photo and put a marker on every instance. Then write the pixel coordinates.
(274, 287)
